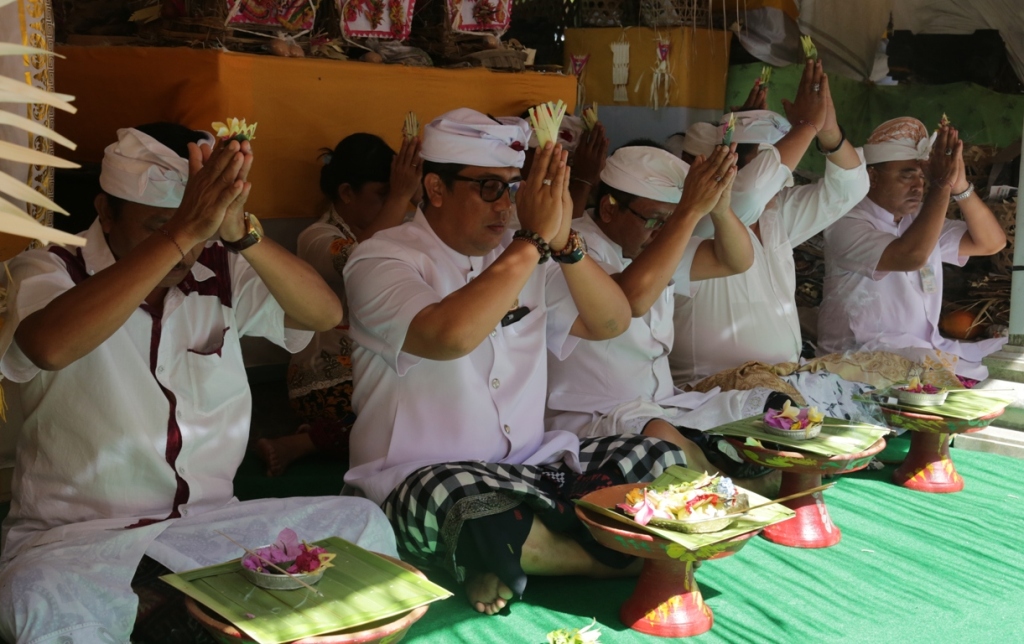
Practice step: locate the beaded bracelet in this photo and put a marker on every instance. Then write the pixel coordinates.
(538, 242)
(173, 240)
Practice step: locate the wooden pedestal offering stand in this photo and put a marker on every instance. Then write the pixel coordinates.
(666, 601)
(812, 526)
(928, 466)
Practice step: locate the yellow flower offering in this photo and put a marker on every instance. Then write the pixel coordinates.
(234, 129)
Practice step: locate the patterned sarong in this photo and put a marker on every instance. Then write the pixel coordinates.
(430, 507)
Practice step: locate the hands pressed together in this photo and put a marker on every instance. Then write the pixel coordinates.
(543, 203)
(215, 196)
(708, 185)
(945, 165)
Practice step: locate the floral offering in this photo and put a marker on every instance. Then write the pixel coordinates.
(298, 556)
(810, 51)
(586, 635)
(915, 386)
(546, 120)
(708, 497)
(234, 129)
(589, 117)
(793, 418)
(728, 129)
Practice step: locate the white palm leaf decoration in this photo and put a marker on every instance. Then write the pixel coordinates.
(13, 220)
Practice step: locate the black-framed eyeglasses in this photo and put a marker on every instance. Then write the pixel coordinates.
(650, 223)
(492, 189)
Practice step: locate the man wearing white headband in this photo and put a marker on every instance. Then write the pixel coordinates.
(135, 393)
(453, 319)
(729, 321)
(883, 261)
(640, 232)
(699, 139)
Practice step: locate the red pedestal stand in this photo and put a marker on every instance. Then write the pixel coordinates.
(812, 526)
(928, 466)
(666, 601)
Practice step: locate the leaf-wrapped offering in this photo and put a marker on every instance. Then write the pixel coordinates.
(589, 117)
(729, 129)
(795, 422)
(234, 130)
(920, 394)
(707, 504)
(766, 75)
(944, 121)
(411, 128)
(546, 119)
(810, 51)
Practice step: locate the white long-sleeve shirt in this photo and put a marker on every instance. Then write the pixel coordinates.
(752, 316)
(864, 308)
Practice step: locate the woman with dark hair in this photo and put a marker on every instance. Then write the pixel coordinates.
(369, 188)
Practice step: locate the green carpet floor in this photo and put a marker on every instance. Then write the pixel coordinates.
(911, 567)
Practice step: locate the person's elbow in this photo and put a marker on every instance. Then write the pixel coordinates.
(741, 263)
(997, 244)
(617, 319)
(43, 353)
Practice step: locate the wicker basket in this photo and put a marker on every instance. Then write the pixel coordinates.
(602, 13)
(672, 13)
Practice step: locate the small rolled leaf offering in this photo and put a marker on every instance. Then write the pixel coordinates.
(234, 130)
(810, 51)
(766, 75)
(575, 635)
(411, 128)
(589, 117)
(729, 129)
(944, 121)
(546, 119)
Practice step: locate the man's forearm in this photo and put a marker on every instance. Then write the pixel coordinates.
(732, 243)
(604, 311)
(987, 235)
(84, 317)
(307, 300)
(649, 274)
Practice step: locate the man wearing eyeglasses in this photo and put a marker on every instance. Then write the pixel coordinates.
(453, 319)
(641, 233)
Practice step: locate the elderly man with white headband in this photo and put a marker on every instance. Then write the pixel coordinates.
(727, 322)
(453, 319)
(640, 233)
(135, 394)
(883, 261)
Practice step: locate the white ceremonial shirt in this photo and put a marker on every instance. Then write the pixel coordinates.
(599, 376)
(153, 423)
(867, 309)
(487, 406)
(728, 321)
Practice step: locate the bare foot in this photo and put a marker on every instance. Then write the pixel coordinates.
(279, 453)
(486, 593)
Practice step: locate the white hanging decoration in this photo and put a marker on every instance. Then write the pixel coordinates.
(662, 78)
(620, 70)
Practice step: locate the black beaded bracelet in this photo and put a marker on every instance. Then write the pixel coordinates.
(817, 143)
(538, 242)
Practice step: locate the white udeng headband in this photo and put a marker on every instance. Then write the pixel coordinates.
(646, 172)
(898, 150)
(468, 137)
(140, 169)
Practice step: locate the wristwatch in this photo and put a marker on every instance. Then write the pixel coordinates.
(253, 235)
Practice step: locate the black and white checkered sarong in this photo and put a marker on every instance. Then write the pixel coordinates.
(429, 508)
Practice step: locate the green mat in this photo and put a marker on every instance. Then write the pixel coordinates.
(912, 567)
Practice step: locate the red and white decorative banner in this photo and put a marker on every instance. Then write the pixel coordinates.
(384, 19)
(470, 16)
(281, 15)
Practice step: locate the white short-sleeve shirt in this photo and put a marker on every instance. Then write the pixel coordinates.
(154, 422)
(599, 376)
(487, 406)
(728, 321)
(864, 308)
